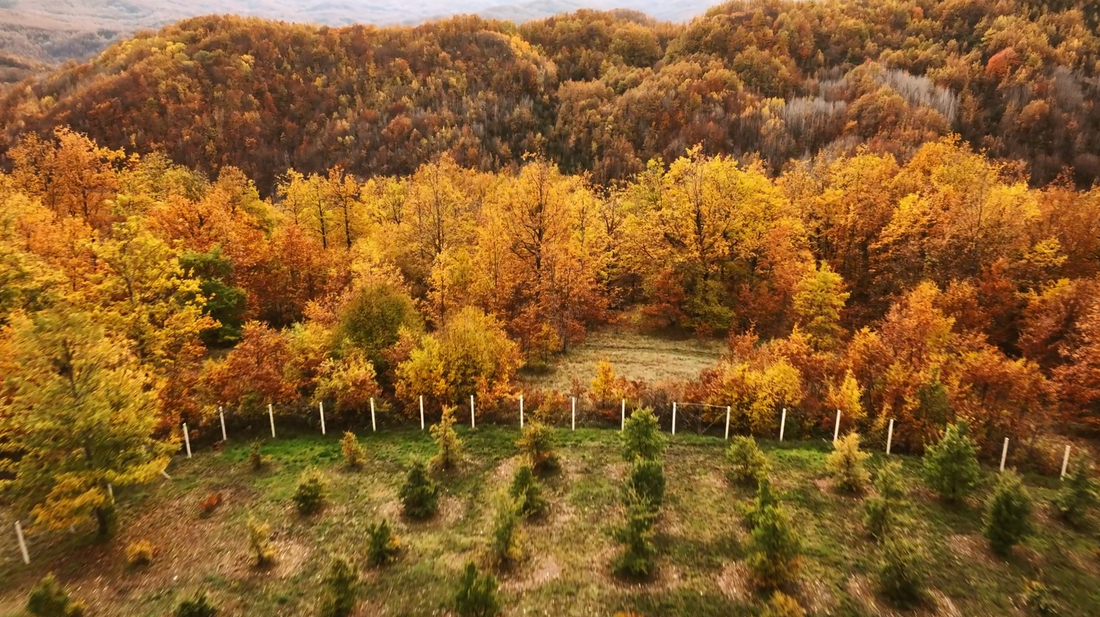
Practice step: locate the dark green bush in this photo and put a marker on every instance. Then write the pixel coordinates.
(641, 437)
(537, 443)
(419, 494)
(764, 498)
(382, 545)
(880, 512)
(310, 494)
(1039, 599)
(1007, 514)
(199, 606)
(846, 464)
(526, 491)
(477, 594)
(900, 573)
(646, 482)
(639, 557)
(951, 466)
(341, 589)
(504, 542)
(747, 463)
(49, 599)
(1076, 497)
(773, 548)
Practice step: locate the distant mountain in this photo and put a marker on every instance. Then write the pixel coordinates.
(59, 30)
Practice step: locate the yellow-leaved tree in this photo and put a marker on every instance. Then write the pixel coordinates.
(78, 421)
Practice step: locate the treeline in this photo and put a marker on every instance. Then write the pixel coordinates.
(594, 92)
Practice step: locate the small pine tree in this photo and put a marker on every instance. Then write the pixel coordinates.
(880, 512)
(477, 594)
(354, 453)
(49, 599)
(505, 542)
(419, 495)
(782, 605)
(256, 459)
(899, 573)
(527, 493)
(199, 606)
(446, 438)
(1039, 599)
(641, 436)
(747, 463)
(259, 540)
(341, 589)
(951, 466)
(309, 497)
(646, 482)
(382, 545)
(765, 498)
(846, 464)
(538, 443)
(1008, 514)
(773, 552)
(639, 557)
(1076, 497)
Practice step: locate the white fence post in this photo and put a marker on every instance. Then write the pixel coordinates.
(271, 416)
(574, 421)
(187, 440)
(1065, 463)
(674, 417)
(373, 424)
(321, 406)
(783, 424)
(836, 431)
(22, 543)
(622, 423)
(221, 414)
(472, 411)
(729, 409)
(421, 412)
(111, 492)
(521, 412)
(890, 436)
(1004, 454)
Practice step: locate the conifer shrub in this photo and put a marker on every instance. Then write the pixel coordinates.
(477, 594)
(382, 545)
(951, 466)
(341, 589)
(646, 482)
(139, 554)
(505, 541)
(1039, 600)
(1007, 514)
(782, 605)
(638, 559)
(419, 494)
(259, 542)
(881, 511)
(765, 498)
(50, 599)
(1076, 497)
(747, 463)
(446, 439)
(537, 443)
(354, 453)
(773, 548)
(198, 606)
(846, 464)
(309, 496)
(527, 493)
(900, 573)
(256, 460)
(641, 437)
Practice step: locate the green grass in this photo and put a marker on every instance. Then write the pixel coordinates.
(567, 567)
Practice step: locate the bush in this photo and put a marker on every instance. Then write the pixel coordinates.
(639, 557)
(646, 482)
(505, 542)
(210, 503)
(256, 460)
(139, 554)
(765, 498)
(259, 540)
(1076, 497)
(477, 595)
(1039, 599)
(747, 463)
(899, 573)
(310, 494)
(538, 443)
(1008, 514)
(199, 606)
(951, 466)
(845, 464)
(382, 545)
(354, 453)
(641, 436)
(446, 438)
(773, 548)
(49, 599)
(782, 605)
(340, 588)
(880, 512)
(419, 495)
(527, 493)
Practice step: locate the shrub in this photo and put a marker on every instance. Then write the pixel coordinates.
(210, 503)
(646, 482)
(477, 594)
(527, 493)
(899, 573)
(340, 589)
(199, 606)
(49, 599)
(310, 494)
(506, 538)
(782, 605)
(1008, 514)
(641, 436)
(765, 498)
(419, 495)
(606, 387)
(747, 463)
(446, 437)
(259, 540)
(880, 512)
(139, 554)
(1039, 599)
(845, 464)
(951, 467)
(382, 545)
(773, 548)
(354, 453)
(256, 460)
(1076, 497)
(639, 557)
(538, 443)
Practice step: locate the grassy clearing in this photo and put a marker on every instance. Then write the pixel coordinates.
(566, 570)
